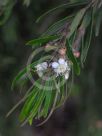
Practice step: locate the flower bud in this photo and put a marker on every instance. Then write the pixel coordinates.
(77, 54)
(62, 51)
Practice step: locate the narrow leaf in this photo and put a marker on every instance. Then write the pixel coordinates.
(76, 21)
(98, 22)
(42, 40)
(63, 6)
(72, 58)
(21, 74)
(34, 111)
(21, 101)
(56, 26)
(47, 102)
(86, 20)
(88, 38)
(28, 105)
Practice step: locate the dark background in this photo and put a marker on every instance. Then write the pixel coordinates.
(82, 113)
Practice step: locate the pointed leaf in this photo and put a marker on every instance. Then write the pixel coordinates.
(76, 21)
(42, 40)
(63, 6)
(28, 105)
(72, 58)
(21, 101)
(86, 20)
(98, 22)
(57, 26)
(34, 111)
(88, 38)
(21, 74)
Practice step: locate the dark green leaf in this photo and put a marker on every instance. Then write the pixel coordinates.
(63, 6)
(72, 58)
(54, 100)
(28, 105)
(88, 38)
(56, 26)
(35, 108)
(98, 22)
(86, 20)
(47, 102)
(21, 101)
(37, 104)
(42, 40)
(22, 74)
(76, 21)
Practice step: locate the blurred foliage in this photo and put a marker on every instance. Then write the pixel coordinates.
(82, 114)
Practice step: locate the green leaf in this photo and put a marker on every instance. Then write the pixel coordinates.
(47, 101)
(22, 74)
(28, 105)
(18, 77)
(72, 58)
(76, 21)
(21, 101)
(86, 20)
(35, 108)
(54, 100)
(42, 40)
(88, 38)
(37, 104)
(98, 22)
(63, 6)
(56, 26)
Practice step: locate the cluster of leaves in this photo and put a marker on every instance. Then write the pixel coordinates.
(39, 102)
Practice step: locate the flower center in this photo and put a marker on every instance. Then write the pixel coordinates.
(61, 68)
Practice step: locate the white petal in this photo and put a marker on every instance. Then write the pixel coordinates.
(66, 64)
(66, 75)
(39, 67)
(61, 61)
(57, 70)
(40, 73)
(44, 65)
(68, 68)
(55, 65)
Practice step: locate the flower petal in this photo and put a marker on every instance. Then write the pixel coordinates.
(39, 67)
(61, 61)
(55, 65)
(40, 73)
(44, 65)
(66, 64)
(66, 75)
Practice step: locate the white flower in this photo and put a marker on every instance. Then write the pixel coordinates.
(41, 67)
(61, 68)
